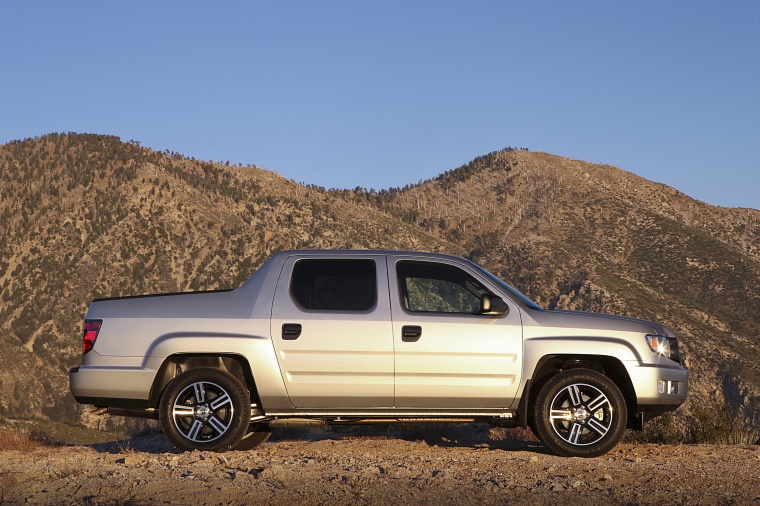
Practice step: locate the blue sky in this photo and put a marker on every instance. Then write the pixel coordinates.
(381, 94)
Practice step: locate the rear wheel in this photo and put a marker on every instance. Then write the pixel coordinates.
(580, 413)
(205, 409)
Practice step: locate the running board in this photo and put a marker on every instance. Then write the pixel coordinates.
(320, 422)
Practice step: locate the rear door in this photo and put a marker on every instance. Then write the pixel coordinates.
(447, 355)
(331, 328)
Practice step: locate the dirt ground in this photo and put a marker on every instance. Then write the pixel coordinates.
(362, 470)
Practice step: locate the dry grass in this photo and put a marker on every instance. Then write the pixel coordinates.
(14, 440)
(24, 442)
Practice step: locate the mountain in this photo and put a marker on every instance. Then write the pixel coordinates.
(86, 216)
(592, 237)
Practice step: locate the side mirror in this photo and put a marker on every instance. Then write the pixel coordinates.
(492, 305)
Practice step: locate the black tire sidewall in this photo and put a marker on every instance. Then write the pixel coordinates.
(240, 403)
(543, 407)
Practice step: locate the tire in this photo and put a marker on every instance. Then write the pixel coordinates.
(258, 433)
(533, 428)
(580, 413)
(205, 409)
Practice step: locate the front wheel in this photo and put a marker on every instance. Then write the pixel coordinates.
(205, 409)
(580, 413)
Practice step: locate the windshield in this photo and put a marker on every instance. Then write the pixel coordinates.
(510, 290)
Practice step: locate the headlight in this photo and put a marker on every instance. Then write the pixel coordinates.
(665, 346)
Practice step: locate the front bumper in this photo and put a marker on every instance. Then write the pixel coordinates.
(658, 388)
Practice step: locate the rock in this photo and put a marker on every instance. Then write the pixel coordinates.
(133, 460)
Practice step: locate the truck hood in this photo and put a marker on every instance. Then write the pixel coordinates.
(597, 321)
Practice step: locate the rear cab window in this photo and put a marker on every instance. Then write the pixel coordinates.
(334, 284)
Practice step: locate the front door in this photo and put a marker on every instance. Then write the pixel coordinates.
(447, 355)
(331, 328)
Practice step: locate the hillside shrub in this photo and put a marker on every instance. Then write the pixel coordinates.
(664, 430)
(718, 426)
(702, 425)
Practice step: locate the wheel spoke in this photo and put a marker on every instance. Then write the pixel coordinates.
(561, 414)
(597, 403)
(217, 425)
(575, 395)
(195, 430)
(597, 426)
(220, 401)
(200, 392)
(182, 410)
(575, 433)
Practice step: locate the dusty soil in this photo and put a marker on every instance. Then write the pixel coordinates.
(350, 469)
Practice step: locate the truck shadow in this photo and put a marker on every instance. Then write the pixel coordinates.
(514, 445)
(434, 435)
(155, 443)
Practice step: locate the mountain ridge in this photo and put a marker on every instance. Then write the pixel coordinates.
(86, 216)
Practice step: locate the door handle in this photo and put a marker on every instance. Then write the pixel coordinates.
(291, 331)
(411, 333)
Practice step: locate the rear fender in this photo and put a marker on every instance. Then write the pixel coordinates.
(249, 357)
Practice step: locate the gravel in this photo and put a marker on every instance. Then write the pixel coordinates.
(378, 470)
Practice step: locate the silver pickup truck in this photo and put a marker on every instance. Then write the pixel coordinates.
(330, 337)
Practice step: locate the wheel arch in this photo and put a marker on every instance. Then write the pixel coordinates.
(549, 365)
(176, 364)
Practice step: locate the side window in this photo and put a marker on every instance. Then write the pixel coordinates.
(345, 285)
(438, 288)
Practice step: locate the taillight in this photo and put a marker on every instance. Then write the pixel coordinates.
(91, 329)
